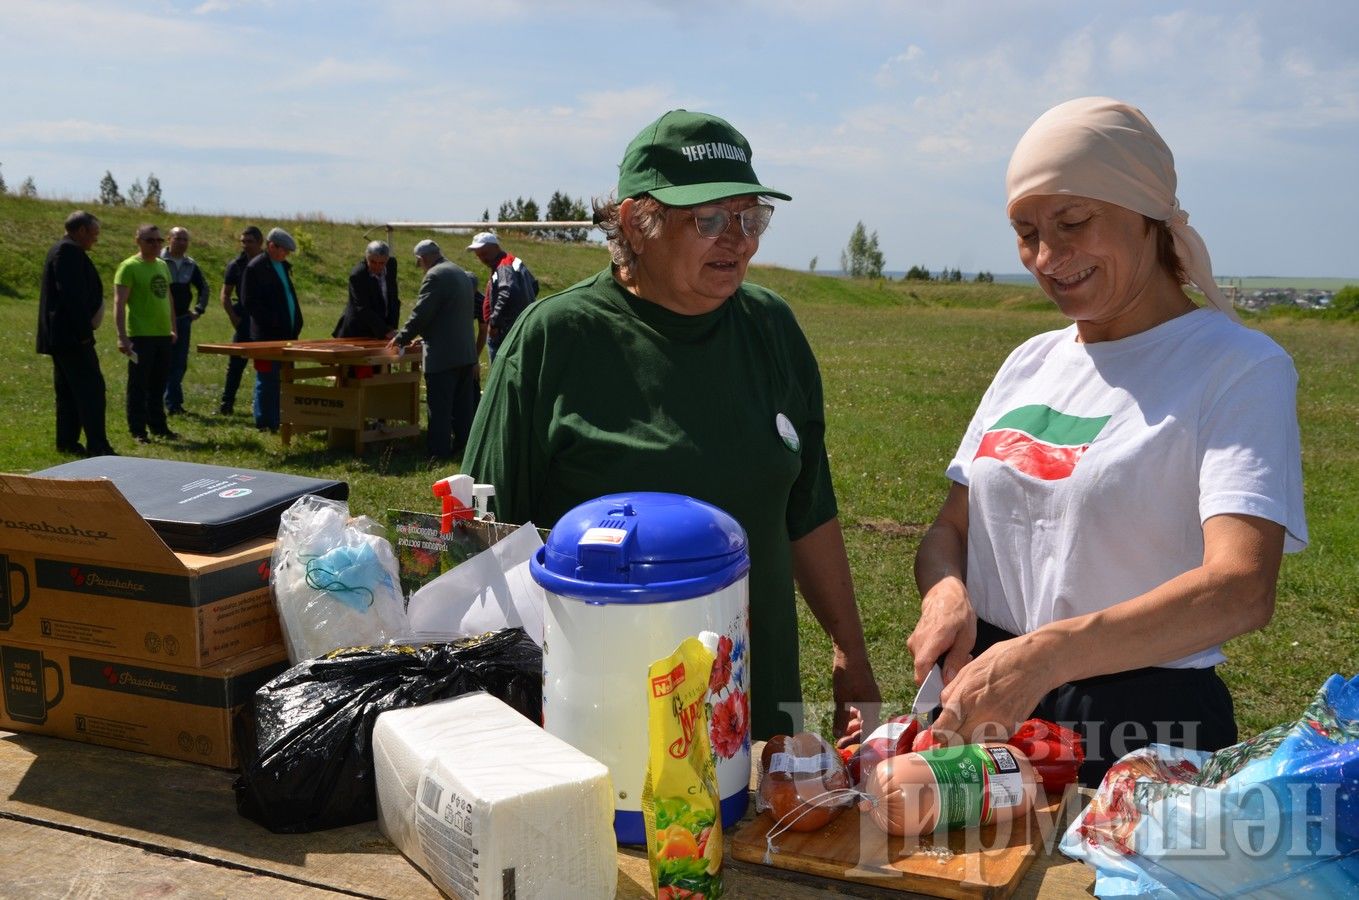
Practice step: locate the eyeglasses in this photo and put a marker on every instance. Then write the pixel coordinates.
(712, 221)
(159, 240)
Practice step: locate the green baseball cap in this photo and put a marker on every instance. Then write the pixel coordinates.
(687, 158)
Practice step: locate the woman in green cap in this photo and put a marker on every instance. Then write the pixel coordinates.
(667, 372)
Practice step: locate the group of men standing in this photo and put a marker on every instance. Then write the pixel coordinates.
(160, 291)
(446, 305)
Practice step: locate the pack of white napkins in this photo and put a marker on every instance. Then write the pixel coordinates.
(491, 806)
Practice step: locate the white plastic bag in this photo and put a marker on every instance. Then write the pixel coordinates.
(335, 580)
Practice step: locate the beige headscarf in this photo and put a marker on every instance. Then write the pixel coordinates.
(1107, 150)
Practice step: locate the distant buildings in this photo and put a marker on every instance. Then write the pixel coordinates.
(1302, 298)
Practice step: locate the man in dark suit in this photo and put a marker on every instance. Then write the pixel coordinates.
(443, 315)
(70, 308)
(270, 303)
(373, 308)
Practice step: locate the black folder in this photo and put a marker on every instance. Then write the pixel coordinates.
(200, 508)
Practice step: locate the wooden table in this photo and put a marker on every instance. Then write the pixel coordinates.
(321, 387)
(78, 820)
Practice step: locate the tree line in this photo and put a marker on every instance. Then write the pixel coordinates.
(26, 189)
(560, 208)
(862, 258)
(147, 197)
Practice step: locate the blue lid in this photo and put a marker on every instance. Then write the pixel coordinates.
(641, 548)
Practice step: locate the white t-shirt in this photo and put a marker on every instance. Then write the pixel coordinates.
(1091, 468)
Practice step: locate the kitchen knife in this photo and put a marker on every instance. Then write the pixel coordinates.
(929, 697)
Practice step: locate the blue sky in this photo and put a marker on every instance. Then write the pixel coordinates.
(899, 114)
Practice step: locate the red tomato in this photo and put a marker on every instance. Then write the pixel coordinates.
(892, 737)
(1056, 752)
(926, 740)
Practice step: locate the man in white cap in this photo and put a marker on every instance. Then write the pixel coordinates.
(270, 303)
(509, 290)
(444, 310)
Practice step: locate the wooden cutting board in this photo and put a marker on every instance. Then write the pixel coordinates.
(980, 863)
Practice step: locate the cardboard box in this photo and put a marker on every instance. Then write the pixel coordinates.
(177, 711)
(83, 570)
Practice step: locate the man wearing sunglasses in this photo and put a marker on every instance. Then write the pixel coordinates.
(144, 314)
(668, 372)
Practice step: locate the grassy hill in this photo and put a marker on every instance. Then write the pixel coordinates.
(328, 250)
(903, 363)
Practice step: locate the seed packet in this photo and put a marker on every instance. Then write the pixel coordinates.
(680, 798)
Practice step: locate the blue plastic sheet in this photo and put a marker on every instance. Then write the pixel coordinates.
(1273, 816)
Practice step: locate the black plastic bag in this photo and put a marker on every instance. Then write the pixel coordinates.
(307, 750)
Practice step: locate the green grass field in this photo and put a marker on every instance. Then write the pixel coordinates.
(903, 363)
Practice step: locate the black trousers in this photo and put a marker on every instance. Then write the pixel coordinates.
(1118, 713)
(235, 369)
(451, 397)
(146, 380)
(79, 385)
(235, 366)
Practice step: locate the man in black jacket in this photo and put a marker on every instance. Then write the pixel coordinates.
(270, 303)
(252, 245)
(70, 308)
(373, 308)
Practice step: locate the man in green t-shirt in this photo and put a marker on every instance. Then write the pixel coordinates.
(145, 318)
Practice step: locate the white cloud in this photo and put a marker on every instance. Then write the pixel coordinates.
(215, 7)
(205, 143)
(1074, 66)
(630, 107)
(64, 131)
(891, 71)
(332, 72)
(80, 28)
(903, 114)
(1213, 79)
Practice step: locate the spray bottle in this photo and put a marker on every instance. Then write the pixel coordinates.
(461, 500)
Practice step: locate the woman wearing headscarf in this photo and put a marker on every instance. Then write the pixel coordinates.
(1125, 491)
(668, 372)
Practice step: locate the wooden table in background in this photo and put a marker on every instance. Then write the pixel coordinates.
(78, 820)
(320, 388)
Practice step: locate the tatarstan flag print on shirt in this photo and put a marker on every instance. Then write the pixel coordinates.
(1040, 441)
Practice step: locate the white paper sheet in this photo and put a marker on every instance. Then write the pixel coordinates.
(492, 590)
